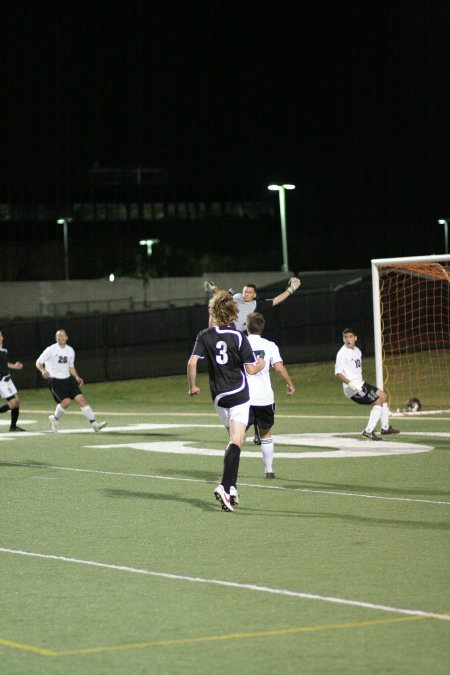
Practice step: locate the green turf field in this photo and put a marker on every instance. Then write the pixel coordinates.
(116, 558)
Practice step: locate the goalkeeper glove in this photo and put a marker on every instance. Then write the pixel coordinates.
(355, 385)
(294, 283)
(209, 285)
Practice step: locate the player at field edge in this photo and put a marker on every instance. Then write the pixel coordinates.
(262, 398)
(348, 369)
(8, 389)
(229, 357)
(57, 365)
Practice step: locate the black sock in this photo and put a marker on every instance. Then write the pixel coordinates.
(4, 408)
(230, 466)
(14, 417)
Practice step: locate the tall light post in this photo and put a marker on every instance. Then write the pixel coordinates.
(444, 222)
(149, 243)
(281, 189)
(65, 223)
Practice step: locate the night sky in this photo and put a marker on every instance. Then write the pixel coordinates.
(349, 100)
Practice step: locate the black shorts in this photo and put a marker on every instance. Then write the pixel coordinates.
(370, 394)
(262, 415)
(61, 389)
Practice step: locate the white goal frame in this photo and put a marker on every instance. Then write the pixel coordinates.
(376, 263)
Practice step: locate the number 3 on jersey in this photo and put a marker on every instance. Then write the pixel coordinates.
(221, 356)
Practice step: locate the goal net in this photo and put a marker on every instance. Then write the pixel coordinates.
(411, 299)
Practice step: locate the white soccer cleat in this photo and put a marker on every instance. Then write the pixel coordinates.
(223, 497)
(234, 496)
(98, 426)
(53, 424)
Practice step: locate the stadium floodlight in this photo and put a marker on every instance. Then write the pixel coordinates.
(149, 243)
(411, 330)
(65, 223)
(444, 222)
(281, 189)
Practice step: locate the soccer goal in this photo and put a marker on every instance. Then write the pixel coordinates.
(411, 298)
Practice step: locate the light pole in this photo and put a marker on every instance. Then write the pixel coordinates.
(149, 243)
(444, 222)
(65, 223)
(281, 189)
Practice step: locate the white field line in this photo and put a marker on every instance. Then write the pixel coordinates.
(231, 584)
(249, 485)
(213, 414)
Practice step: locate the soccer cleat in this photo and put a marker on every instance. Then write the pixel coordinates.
(98, 426)
(270, 474)
(370, 436)
(16, 429)
(234, 497)
(256, 440)
(53, 424)
(389, 430)
(223, 498)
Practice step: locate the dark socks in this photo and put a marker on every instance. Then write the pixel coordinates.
(4, 408)
(14, 417)
(230, 466)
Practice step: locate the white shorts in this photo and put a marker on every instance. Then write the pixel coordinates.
(7, 387)
(238, 413)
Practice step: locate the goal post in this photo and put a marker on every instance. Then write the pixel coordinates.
(411, 313)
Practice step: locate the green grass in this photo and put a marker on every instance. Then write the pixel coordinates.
(127, 546)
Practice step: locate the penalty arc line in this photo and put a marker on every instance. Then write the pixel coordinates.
(231, 584)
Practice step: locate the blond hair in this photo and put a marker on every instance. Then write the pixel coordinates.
(222, 309)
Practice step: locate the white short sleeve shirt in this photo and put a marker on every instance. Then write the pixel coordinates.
(349, 363)
(260, 386)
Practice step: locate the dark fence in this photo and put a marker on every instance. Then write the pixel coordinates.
(154, 343)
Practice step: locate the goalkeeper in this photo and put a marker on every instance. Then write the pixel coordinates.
(348, 369)
(247, 302)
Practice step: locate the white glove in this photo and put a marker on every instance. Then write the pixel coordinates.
(209, 286)
(294, 283)
(355, 385)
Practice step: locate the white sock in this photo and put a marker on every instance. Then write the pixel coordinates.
(59, 412)
(385, 416)
(267, 453)
(88, 413)
(374, 416)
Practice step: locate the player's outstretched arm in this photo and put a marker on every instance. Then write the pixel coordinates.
(293, 284)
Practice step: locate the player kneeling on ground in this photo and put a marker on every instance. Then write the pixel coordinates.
(348, 369)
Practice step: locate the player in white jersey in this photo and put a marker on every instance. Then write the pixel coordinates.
(57, 365)
(348, 369)
(262, 399)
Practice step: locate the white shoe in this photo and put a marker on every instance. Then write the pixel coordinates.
(234, 497)
(53, 424)
(223, 497)
(98, 426)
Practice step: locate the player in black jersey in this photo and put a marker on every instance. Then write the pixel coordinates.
(8, 389)
(229, 357)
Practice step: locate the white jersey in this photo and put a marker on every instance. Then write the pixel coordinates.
(349, 363)
(260, 386)
(58, 360)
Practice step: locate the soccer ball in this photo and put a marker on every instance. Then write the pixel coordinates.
(414, 405)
